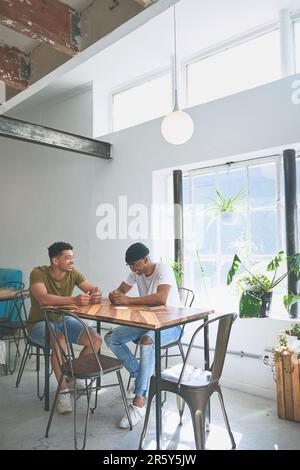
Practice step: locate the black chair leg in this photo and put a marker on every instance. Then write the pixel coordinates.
(148, 409)
(38, 362)
(89, 394)
(53, 406)
(22, 365)
(92, 410)
(167, 364)
(181, 351)
(233, 444)
(11, 371)
(124, 398)
(16, 340)
(28, 353)
(5, 368)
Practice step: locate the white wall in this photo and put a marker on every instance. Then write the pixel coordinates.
(257, 122)
(201, 26)
(49, 195)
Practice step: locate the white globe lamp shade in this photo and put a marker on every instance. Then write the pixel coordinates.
(177, 127)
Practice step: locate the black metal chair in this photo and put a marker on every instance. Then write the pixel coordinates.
(194, 385)
(31, 347)
(187, 297)
(88, 367)
(10, 325)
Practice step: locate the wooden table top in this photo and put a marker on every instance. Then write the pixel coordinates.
(8, 294)
(137, 315)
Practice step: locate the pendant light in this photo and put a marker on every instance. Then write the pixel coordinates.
(177, 127)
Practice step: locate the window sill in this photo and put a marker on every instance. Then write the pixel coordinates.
(283, 316)
(222, 300)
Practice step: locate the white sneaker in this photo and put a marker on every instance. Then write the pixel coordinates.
(63, 404)
(136, 413)
(130, 393)
(81, 385)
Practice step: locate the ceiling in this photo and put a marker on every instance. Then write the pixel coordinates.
(36, 37)
(25, 44)
(145, 45)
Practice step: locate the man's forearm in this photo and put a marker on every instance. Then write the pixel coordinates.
(50, 299)
(153, 299)
(123, 288)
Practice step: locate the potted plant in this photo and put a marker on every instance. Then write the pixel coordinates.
(282, 343)
(293, 337)
(257, 288)
(225, 206)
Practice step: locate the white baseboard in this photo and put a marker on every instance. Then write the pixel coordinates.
(253, 389)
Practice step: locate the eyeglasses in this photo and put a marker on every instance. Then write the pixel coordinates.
(133, 265)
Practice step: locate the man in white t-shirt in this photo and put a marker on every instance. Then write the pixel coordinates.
(157, 286)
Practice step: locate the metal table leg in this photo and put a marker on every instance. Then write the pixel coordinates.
(47, 363)
(98, 380)
(158, 389)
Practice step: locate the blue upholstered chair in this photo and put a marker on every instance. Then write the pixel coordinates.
(10, 328)
(8, 275)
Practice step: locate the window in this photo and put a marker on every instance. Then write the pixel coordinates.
(253, 230)
(238, 68)
(143, 102)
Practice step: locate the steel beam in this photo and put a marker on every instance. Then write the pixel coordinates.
(36, 134)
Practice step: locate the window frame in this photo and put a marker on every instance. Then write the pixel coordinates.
(295, 18)
(219, 258)
(132, 84)
(221, 47)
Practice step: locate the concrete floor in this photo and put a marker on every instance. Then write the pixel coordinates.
(23, 422)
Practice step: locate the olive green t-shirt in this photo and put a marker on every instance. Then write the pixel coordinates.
(64, 288)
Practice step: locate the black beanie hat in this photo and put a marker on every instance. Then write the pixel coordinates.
(135, 252)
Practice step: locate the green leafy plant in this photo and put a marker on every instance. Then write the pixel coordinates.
(255, 286)
(178, 272)
(294, 330)
(202, 271)
(281, 344)
(221, 203)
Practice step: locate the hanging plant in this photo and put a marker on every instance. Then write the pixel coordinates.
(225, 207)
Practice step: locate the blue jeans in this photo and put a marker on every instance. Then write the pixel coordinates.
(143, 369)
(74, 330)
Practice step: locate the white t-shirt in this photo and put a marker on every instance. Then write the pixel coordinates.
(147, 285)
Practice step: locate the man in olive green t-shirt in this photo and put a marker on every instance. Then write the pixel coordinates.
(53, 285)
(62, 287)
